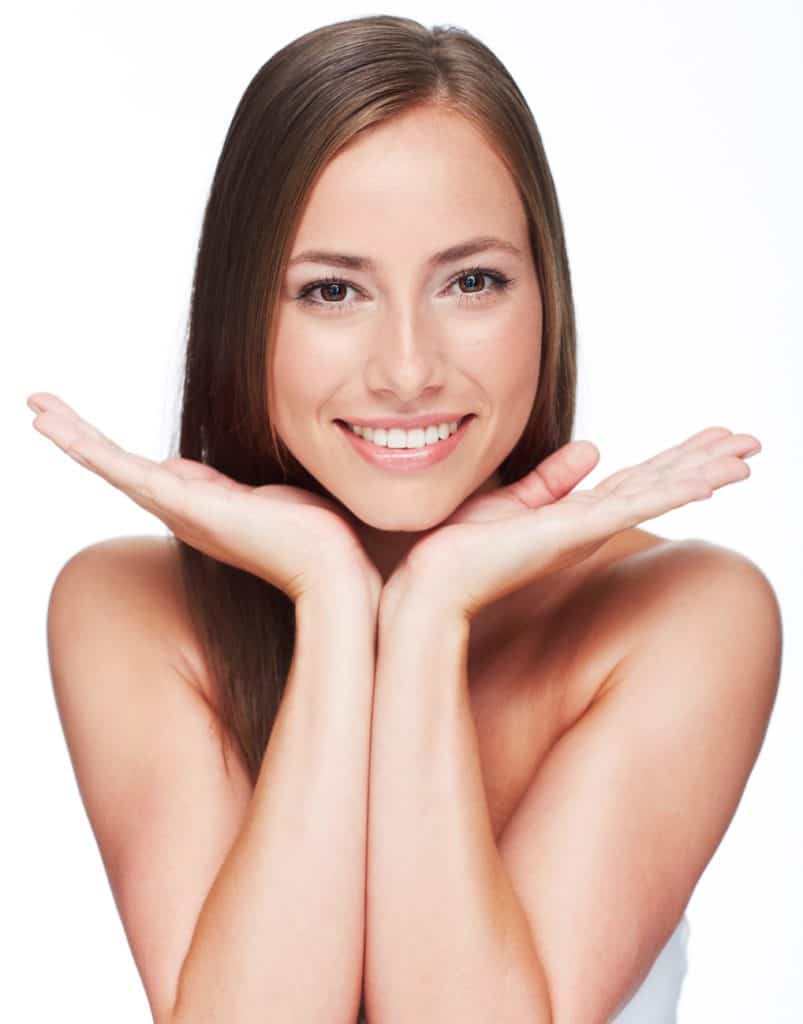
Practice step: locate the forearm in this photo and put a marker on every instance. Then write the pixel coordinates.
(447, 939)
(281, 934)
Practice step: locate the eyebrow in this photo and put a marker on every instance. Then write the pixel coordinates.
(450, 255)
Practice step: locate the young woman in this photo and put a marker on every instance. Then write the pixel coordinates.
(398, 718)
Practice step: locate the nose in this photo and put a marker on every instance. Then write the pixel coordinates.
(407, 358)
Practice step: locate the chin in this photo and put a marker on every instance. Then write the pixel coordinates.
(399, 517)
(405, 524)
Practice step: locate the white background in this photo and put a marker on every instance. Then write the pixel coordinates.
(672, 129)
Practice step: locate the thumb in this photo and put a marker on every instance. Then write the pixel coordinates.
(557, 475)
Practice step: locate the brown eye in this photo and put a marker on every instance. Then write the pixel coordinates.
(482, 285)
(332, 291)
(473, 280)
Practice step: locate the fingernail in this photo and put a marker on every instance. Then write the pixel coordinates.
(33, 404)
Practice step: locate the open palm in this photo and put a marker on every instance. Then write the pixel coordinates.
(499, 541)
(286, 535)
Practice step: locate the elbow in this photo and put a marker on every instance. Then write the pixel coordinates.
(165, 1015)
(168, 1012)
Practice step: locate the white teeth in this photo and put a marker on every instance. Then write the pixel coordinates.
(420, 437)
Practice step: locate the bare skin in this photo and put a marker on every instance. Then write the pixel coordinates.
(407, 340)
(534, 665)
(524, 649)
(541, 658)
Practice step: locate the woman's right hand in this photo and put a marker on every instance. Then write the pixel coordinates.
(285, 535)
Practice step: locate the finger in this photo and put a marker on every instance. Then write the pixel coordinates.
(661, 493)
(713, 440)
(148, 483)
(715, 472)
(187, 469)
(721, 461)
(61, 423)
(75, 437)
(558, 474)
(735, 445)
(696, 441)
(727, 469)
(691, 452)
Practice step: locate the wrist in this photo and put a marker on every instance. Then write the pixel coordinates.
(334, 651)
(340, 600)
(340, 581)
(419, 603)
(419, 642)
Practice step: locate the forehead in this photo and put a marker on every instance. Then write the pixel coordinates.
(425, 178)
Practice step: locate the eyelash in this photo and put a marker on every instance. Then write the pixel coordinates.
(499, 282)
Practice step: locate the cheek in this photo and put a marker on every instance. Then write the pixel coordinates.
(525, 364)
(305, 370)
(286, 385)
(508, 368)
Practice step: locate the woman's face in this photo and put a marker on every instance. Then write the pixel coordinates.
(401, 335)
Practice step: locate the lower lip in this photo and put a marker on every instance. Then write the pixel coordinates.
(406, 458)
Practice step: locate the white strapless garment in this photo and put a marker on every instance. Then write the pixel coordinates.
(655, 1001)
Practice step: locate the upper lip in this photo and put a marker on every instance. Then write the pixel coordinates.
(409, 422)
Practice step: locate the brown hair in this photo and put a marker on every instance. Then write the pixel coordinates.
(310, 99)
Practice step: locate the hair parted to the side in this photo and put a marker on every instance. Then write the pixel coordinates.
(310, 99)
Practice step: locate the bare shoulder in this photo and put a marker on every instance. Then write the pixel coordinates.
(651, 592)
(677, 590)
(163, 805)
(630, 803)
(141, 574)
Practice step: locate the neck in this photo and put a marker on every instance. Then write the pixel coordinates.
(387, 549)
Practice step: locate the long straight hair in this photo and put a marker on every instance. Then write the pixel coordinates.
(310, 99)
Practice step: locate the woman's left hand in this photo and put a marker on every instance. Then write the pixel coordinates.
(497, 542)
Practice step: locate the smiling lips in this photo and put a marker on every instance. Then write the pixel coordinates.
(396, 448)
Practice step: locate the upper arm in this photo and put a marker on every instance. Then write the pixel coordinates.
(145, 752)
(629, 806)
